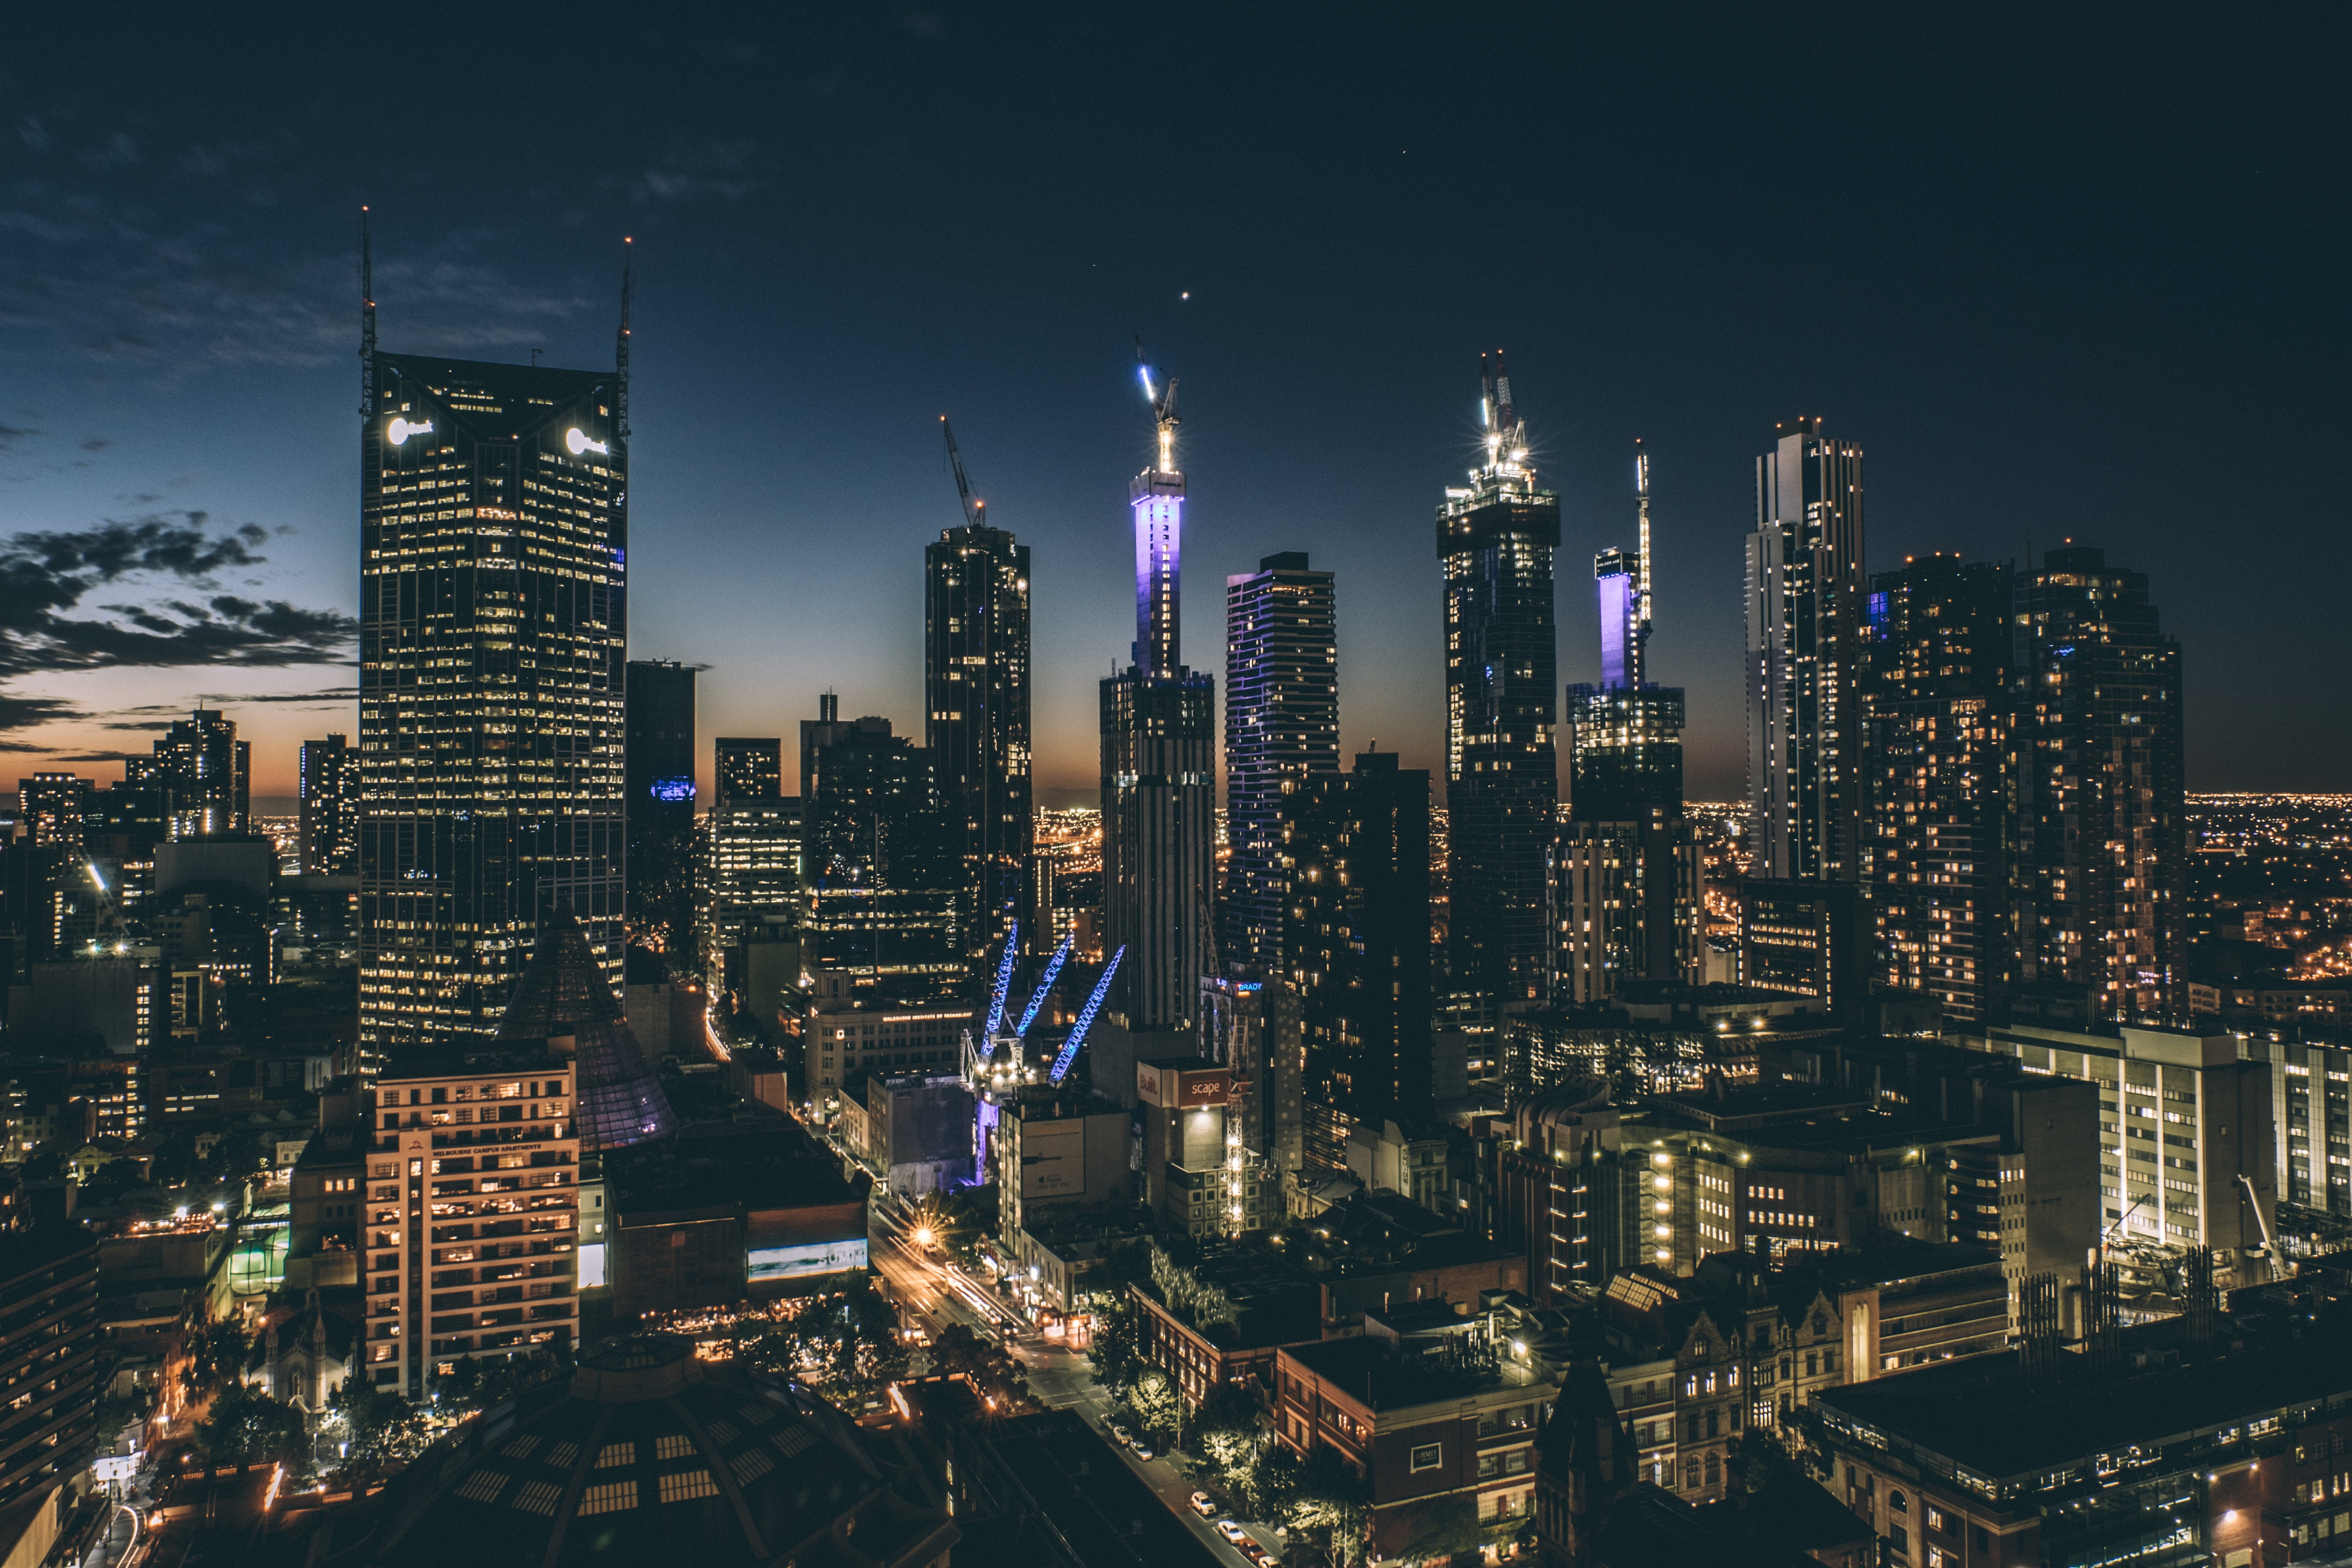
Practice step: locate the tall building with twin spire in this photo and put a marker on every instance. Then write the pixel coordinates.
(1496, 537)
(1158, 767)
(493, 644)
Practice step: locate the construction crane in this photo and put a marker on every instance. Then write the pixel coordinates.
(1163, 407)
(2117, 1223)
(975, 511)
(2270, 1244)
(1045, 987)
(1086, 1019)
(1003, 979)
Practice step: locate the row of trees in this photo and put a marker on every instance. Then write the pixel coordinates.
(1320, 1498)
(363, 1435)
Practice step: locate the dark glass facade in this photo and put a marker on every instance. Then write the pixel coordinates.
(1160, 840)
(658, 792)
(1940, 741)
(976, 726)
(1804, 604)
(1356, 950)
(493, 641)
(1496, 539)
(2103, 866)
(881, 879)
(1282, 729)
(329, 805)
(750, 767)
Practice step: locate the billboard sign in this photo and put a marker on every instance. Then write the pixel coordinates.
(807, 1259)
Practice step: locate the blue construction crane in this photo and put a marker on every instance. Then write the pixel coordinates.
(1045, 987)
(1086, 1019)
(1003, 979)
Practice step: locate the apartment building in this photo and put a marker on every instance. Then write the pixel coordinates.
(472, 1212)
(1434, 1409)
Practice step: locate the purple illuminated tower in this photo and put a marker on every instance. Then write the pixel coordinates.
(1157, 495)
(1158, 767)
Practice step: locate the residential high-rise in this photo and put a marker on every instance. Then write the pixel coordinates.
(1159, 770)
(206, 775)
(658, 793)
(749, 768)
(976, 684)
(329, 832)
(1496, 537)
(1626, 880)
(1282, 728)
(1804, 608)
(54, 809)
(493, 641)
(1355, 948)
(2102, 862)
(1938, 798)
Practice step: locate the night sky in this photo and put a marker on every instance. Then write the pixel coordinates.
(2061, 277)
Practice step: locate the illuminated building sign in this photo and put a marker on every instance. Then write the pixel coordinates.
(673, 789)
(807, 1259)
(576, 443)
(400, 430)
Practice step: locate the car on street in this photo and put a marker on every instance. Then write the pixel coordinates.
(1231, 1532)
(1143, 1451)
(1204, 1504)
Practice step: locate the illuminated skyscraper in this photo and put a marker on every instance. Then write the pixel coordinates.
(1282, 728)
(1158, 769)
(493, 641)
(881, 885)
(976, 686)
(1496, 538)
(1939, 740)
(2104, 841)
(1625, 886)
(207, 774)
(1355, 948)
(55, 809)
(1804, 607)
(330, 803)
(658, 793)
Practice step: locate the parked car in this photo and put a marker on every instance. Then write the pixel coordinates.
(1231, 1532)
(1204, 1504)
(1143, 1451)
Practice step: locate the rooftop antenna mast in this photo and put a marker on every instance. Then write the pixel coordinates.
(367, 321)
(621, 342)
(975, 511)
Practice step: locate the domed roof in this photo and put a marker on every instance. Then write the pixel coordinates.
(648, 1454)
(561, 997)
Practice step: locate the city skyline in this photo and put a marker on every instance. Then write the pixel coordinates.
(776, 395)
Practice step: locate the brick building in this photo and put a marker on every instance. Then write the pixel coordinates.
(1436, 1415)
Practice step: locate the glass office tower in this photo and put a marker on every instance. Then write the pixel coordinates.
(493, 641)
(1496, 538)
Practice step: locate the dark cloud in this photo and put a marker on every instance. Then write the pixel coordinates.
(10, 434)
(95, 443)
(46, 575)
